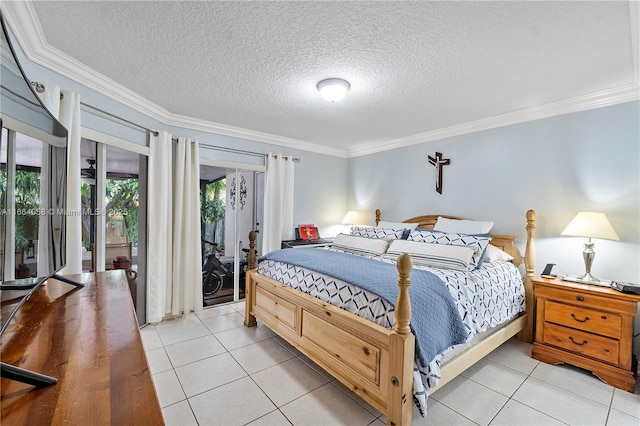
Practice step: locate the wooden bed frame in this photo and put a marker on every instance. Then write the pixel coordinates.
(374, 362)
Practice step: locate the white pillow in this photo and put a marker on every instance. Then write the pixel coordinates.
(435, 255)
(397, 225)
(478, 242)
(494, 254)
(462, 226)
(360, 245)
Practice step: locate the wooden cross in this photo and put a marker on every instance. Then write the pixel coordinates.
(439, 162)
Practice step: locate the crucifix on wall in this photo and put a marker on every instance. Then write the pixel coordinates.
(438, 162)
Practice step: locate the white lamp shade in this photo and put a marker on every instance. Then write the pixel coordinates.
(333, 89)
(351, 218)
(591, 225)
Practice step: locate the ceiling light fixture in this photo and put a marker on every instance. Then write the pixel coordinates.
(333, 89)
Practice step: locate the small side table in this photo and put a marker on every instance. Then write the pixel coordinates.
(587, 326)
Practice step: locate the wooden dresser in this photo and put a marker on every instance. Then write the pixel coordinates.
(88, 338)
(587, 326)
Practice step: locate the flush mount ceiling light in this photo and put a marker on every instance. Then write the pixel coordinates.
(333, 89)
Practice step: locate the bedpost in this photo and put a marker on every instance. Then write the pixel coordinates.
(377, 216)
(530, 269)
(402, 352)
(403, 305)
(249, 319)
(251, 256)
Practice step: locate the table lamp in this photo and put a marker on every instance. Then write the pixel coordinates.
(590, 225)
(351, 218)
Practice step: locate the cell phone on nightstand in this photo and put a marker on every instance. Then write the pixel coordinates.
(547, 271)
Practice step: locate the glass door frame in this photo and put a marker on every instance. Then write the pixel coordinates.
(102, 140)
(238, 167)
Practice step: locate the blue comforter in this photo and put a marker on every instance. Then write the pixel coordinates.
(435, 320)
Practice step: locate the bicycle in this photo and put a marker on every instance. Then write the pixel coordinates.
(213, 272)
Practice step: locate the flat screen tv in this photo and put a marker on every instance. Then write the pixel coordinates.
(33, 184)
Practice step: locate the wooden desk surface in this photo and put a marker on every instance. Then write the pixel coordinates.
(88, 338)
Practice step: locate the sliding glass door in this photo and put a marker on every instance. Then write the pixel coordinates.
(230, 200)
(113, 195)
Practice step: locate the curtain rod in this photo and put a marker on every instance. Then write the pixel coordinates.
(40, 87)
(241, 151)
(154, 132)
(20, 96)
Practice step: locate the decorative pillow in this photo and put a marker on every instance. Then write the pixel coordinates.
(382, 233)
(435, 255)
(360, 245)
(494, 254)
(397, 225)
(478, 242)
(462, 226)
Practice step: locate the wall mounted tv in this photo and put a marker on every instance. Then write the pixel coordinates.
(33, 185)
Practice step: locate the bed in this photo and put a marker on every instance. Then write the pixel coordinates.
(376, 360)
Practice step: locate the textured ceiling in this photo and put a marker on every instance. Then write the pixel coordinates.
(414, 67)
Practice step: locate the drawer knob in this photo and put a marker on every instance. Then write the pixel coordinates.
(584, 342)
(579, 320)
(580, 298)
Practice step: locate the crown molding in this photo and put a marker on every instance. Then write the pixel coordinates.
(616, 95)
(26, 27)
(23, 21)
(237, 132)
(634, 15)
(613, 96)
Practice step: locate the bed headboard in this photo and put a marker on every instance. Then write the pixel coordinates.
(503, 242)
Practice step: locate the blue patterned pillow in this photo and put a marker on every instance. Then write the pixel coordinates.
(383, 233)
(479, 242)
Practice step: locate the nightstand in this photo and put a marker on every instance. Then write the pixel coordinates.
(587, 326)
(307, 243)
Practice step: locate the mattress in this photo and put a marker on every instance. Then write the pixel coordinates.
(486, 298)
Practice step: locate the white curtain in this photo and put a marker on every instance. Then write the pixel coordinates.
(70, 118)
(187, 266)
(160, 220)
(67, 111)
(173, 210)
(278, 202)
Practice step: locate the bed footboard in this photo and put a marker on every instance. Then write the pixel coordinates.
(374, 362)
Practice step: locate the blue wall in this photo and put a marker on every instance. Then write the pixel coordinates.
(556, 166)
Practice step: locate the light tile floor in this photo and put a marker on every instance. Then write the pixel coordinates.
(209, 369)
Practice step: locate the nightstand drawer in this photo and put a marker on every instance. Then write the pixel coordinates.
(590, 320)
(586, 299)
(588, 344)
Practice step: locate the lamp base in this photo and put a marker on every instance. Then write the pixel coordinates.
(586, 279)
